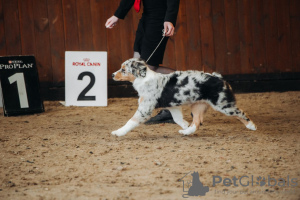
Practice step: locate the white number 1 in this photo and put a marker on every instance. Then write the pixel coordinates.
(19, 78)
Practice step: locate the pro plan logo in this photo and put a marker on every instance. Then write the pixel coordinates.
(87, 62)
(16, 64)
(194, 186)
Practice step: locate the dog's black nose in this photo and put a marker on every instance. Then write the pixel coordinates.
(113, 75)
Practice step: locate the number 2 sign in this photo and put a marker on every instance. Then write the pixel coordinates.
(20, 85)
(86, 78)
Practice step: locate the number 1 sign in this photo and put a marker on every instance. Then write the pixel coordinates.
(86, 78)
(20, 85)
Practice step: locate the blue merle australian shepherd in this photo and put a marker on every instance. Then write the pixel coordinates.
(170, 91)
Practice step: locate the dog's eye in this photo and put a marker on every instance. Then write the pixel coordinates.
(123, 70)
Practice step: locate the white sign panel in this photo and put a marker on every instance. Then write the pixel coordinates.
(86, 78)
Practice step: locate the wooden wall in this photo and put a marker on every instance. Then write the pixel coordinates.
(227, 36)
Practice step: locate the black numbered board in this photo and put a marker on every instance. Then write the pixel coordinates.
(20, 86)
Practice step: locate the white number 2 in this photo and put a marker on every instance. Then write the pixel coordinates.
(19, 78)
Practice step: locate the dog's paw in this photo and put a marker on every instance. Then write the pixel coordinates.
(183, 132)
(251, 126)
(185, 125)
(118, 133)
(189, 130)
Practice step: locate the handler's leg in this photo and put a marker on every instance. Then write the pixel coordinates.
(162, 70)
(158, 69)
(136, 54)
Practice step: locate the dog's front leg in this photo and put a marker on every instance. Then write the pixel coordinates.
(131, 124)
(141, 115)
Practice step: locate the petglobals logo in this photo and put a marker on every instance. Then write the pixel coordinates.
(246, 181)
(195, 187)
(192, 186)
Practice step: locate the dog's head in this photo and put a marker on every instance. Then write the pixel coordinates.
(130, 70)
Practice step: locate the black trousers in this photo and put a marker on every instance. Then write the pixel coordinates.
(149, 32)
(148, 35)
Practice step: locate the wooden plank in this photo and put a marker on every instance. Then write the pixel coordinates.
(258, 33)
(295, 33)
(193, 51)
(169, 56)
(232, 35)
(207, 40)
(12, 27)
(70, 25)
(57, 42)
(271, 35)
(42, 40)
(284, 36)
(245, 37)
(266, 32)
(219, 31)
(181, 44)
(2, 31)
(85, 31)
(27, 27)
(99, 17)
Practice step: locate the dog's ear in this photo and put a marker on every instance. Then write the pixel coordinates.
(138, 68)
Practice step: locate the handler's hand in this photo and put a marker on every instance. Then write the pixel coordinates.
(111, 22)
(169, 29)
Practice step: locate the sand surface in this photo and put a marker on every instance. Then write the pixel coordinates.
(69, 153)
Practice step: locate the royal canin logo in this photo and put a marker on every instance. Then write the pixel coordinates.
(86, 62)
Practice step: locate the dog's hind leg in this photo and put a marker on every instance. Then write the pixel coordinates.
(231, 110)
(202, 109)
(176, 113)
(226, 104)
(198, 110)
(245, 120)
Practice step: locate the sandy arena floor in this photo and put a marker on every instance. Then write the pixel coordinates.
(69, 153)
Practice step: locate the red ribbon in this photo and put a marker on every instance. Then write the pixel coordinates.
(137, 5)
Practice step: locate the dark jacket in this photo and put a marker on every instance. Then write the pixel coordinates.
(165, 10)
